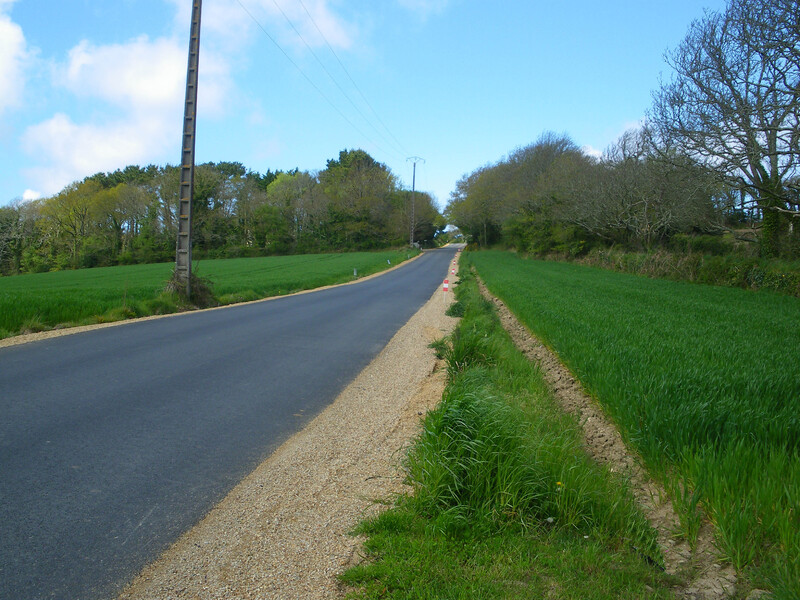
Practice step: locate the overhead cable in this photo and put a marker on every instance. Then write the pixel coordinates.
(309, 80)
(355, 85)
(400, 151)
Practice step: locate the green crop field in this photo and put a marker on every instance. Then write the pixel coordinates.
(703, 381)
(39, 301)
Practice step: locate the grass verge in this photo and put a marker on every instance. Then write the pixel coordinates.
(41, 301)
(505, 502)
(702, 380)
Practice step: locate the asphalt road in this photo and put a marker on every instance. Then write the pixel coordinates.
(114, 442)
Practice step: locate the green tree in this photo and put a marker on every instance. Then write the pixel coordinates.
(126, 209)
(271, 230)
(359, 189)
(471, 207)
(11, 238)
(249, 198)
(72, 215)
(301, 203)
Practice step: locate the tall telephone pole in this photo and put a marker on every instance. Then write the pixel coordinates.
(183, 253)
(415, 159)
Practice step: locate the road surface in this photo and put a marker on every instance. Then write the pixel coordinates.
(114, 442)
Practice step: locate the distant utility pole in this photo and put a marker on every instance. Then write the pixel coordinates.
(415, 159)
(183, 254)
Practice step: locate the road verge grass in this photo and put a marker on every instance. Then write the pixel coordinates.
(505, 502)
(41, 301)
(702, 381)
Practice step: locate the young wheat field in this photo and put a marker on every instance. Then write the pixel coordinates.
(43, 300)
(703, 381)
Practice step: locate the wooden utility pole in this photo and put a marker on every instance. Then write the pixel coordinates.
(416, 159)
(183, 254)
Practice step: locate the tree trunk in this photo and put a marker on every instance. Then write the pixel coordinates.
(794, 237)
(773, 228)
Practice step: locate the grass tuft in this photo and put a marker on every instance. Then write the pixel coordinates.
(33, 324)
(201, 290)
(456, 309)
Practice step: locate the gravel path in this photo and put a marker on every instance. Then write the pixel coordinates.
(283, 531)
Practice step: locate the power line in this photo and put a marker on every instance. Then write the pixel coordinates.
(355, 85)
(308, 79)
(399, 149)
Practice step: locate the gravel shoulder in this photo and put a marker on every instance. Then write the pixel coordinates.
(283, 532)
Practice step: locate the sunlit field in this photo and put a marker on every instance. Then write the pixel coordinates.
(43, 300)
(703, 381)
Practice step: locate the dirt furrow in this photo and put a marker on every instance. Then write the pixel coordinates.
(706, 578)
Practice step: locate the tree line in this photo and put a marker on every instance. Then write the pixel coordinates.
(129, 216)
(719, 151)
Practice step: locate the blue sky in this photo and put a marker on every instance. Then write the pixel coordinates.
(88, 86)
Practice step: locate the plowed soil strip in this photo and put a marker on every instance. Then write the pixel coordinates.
(706, 578)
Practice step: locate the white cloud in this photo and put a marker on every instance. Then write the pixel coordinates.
(338, 33)
(631, 126)
(268, 149)
(139, 75)
(77, 150)
(229, 24)
(13, 52)
(145, 75)
(592, 151)
(136, 91)
(29, 195)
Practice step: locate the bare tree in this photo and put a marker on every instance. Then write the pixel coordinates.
(647, 195)
(734, 104)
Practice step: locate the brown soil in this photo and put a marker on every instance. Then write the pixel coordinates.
(706, 578)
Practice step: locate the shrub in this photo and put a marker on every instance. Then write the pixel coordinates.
(715, 245)
(725, 269)
(456, 309)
